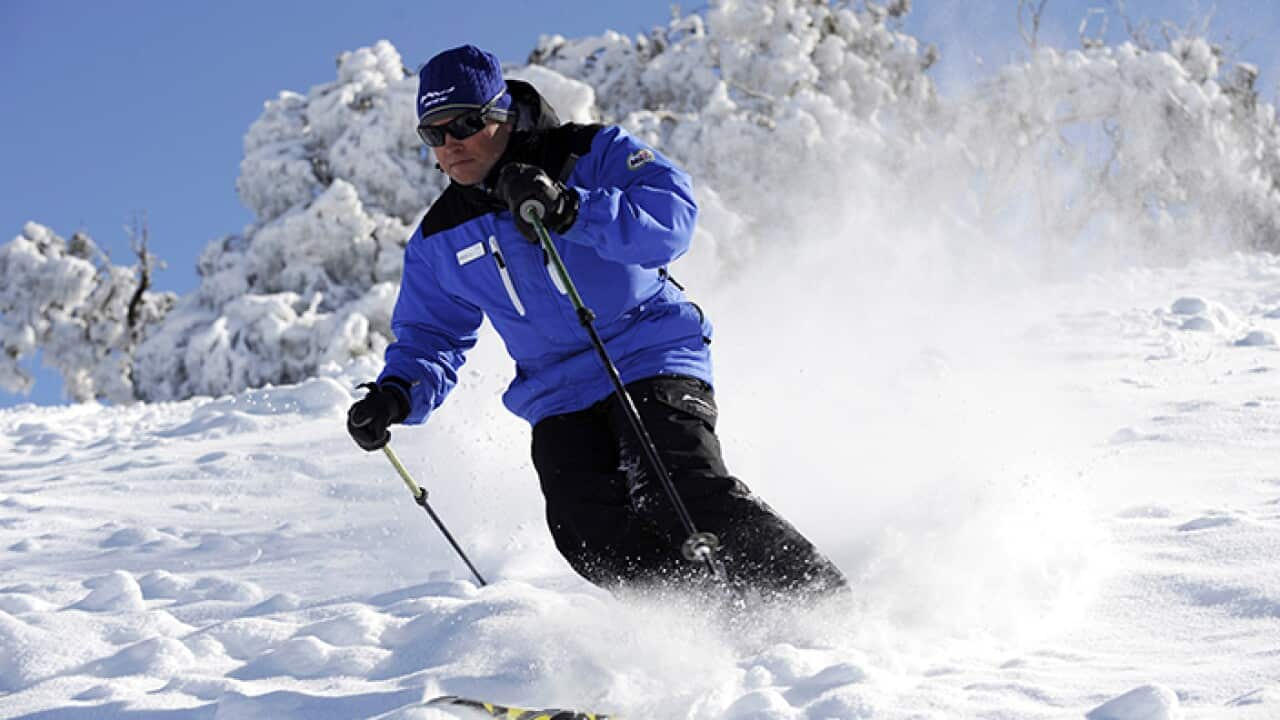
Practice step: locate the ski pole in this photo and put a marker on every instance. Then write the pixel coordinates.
(698, 546)
(420, 496)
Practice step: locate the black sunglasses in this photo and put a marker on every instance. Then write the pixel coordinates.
(463, 126)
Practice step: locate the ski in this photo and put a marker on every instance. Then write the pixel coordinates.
(488, 709)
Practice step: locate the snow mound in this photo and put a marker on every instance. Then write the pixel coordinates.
(248, 638)
(157, 656)
(310, 657)
(357, 626)
(163, 584)
(1189, 306)
(280, 602)
(766, 703)
(221, 589)
(1196, 314)
(1208, 522)
(35, 648)
(1257, 338)
(19, 603)
(128, 537)
(117, 592)
(1149, 702)
(315, 397)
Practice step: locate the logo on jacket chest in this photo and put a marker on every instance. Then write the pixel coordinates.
(639, 158)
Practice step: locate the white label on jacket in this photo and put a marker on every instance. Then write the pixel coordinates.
(468, 254)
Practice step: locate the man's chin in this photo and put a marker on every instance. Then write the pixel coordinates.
(465, 175)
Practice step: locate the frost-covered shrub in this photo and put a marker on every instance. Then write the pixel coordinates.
(311, 288)
(85, 314)
(1162, 145)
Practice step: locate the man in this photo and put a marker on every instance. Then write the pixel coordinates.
(618, 213)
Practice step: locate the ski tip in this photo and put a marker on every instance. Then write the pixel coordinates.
(481, 708)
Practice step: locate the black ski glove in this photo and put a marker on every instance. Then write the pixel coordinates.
(368, 418)
(521, 185)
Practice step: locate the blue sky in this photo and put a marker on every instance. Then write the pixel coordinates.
(141, 105)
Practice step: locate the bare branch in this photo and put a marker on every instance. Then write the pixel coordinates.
(1030, 35)
(140, 235)
(1099, 38)
(1138, 33)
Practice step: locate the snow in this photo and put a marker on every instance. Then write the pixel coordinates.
(238, 557)
(1149, 702)
(1027, 406)
(573, 100)
(115, 592)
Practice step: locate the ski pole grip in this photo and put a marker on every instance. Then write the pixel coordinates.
(531, 209)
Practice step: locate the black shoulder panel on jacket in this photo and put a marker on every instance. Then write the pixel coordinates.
(576, 138)
(550, 149)
(449, 210)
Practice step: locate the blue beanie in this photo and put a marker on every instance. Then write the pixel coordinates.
(464, 78)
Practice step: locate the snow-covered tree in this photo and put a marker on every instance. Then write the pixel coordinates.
(84, 314)
(335, 178)
(311, 287)
(1168, 145)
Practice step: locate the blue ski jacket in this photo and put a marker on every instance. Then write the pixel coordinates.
(467, 261)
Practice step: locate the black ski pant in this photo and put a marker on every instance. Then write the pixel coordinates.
(616, 526)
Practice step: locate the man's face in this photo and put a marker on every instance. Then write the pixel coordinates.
(467, 162)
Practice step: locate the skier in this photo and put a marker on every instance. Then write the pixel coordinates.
(619, 212)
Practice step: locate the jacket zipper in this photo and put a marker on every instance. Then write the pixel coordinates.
(506, 275)
(555, 276)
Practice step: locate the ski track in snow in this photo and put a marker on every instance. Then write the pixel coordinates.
(237, 558)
